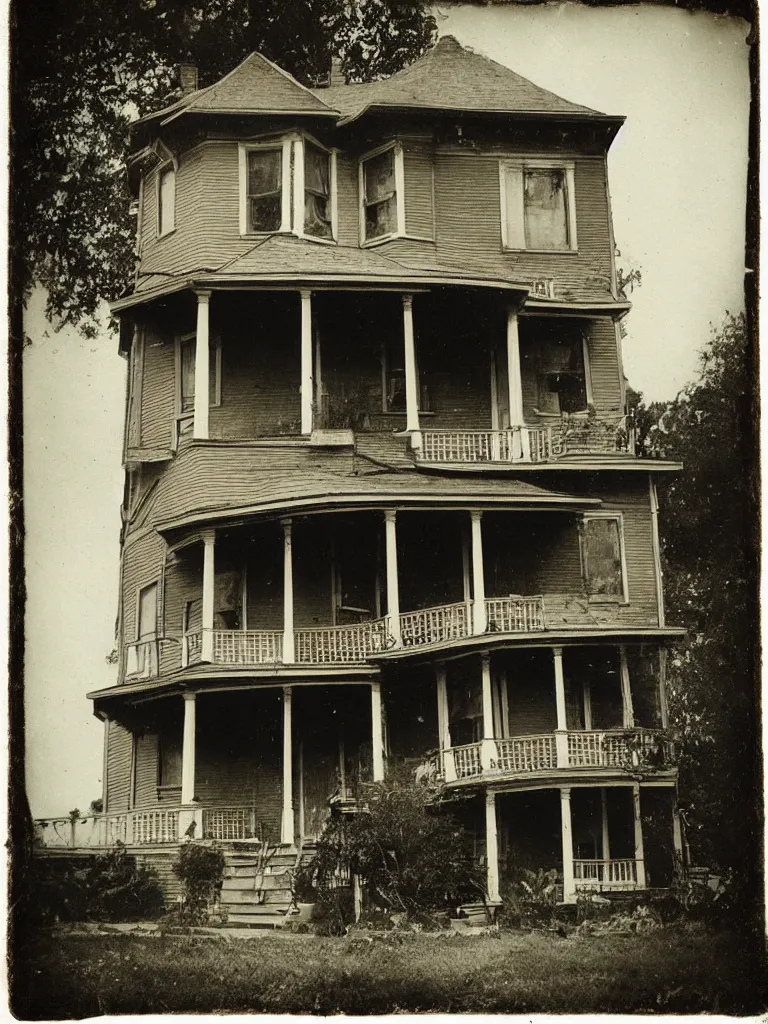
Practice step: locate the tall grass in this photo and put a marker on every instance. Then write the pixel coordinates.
(65, 976)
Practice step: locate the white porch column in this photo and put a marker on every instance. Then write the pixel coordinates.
(606, 843)
(188, 750)
(202, 366)
(492, 848)
(393, 590)
(287, 829)
(444, 723)
(515, 386)
(639, 850)
(289, 653)
(209, 579)
(628, 714)
(479, 618)
(377, 733)
(307, 389)
(569, 888)
(411, 380)
(561, 732)
(488, 756)
(677, 837)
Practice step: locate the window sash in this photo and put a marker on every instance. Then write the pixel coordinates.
(166, 200)
(317, 192)
(537, 206)
(603, 558)
(380, 195)
(187, 353)
(264, 185)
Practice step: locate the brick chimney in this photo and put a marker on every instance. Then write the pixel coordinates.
(187, 78)
(336, 76)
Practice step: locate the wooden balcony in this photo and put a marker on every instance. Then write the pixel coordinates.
(526, 444)
(522, 756)
(605, 875)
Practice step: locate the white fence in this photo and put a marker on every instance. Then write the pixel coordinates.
(526, 753)
(615, 748)
(577, 436)
(605, 874)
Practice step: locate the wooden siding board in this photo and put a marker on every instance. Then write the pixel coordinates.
(158, 389)
(418, 168)
(119, 746)
(146, 770)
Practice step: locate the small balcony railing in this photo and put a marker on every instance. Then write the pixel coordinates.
(142, 659)
(247, 647)
(605, 874)
(515, 614)
(576, 436)
(618, 748)
(435, 625)
(526, 753)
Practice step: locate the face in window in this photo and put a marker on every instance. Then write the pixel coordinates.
(265, 189)
(317, 193)
(380, 195)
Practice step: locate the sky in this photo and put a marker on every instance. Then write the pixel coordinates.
(678, 185)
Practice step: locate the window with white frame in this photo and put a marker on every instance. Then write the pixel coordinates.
(381, 194)
(318, 217)
(561, 375)
(142, 657)
(185, 382)
(537, 205)
(603, 560)
(166, 200)
(288, 185)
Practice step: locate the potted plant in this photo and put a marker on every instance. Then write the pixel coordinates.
(303, 891)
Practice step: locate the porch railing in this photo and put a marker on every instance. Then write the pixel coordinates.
(106, 830)
(466, 760)
(227, 823)
(247, 647)
(580, 436)
(526, 753)
(615, 748)
(605, 874)
(433, 625)
(515, 614)
(155, 826)
(341, 643)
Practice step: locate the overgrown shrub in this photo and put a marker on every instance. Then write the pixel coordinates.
(411, 856)
(110, 887)
(200, 869)
(333, 912)
(531, 901)
(117, 889)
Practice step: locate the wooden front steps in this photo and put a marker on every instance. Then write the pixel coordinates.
(256, 889)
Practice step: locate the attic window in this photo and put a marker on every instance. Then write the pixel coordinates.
(537, 205)
(381, 194)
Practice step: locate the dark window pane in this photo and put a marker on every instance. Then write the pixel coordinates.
(264, 171)
(267, 213)
(379, 173)
(381, 219)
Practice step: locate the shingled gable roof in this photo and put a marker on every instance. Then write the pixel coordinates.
(254, 86)
(451, 77)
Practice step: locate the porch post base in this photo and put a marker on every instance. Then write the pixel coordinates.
(188, 816)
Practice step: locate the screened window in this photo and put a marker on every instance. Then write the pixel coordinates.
(602, 558)
(264, 189)
(380, 195)
(317, 192)
(166, 201)
(538, 207)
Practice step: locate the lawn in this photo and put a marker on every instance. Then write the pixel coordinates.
(60, 976)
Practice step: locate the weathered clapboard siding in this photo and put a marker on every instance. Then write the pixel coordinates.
(170, 252)
(183, 582)
(348, 199)
(142, 565)
(468, 219)
(239, 754)
(118, 788)
(530, 692)
(529, 553)
(161, 860)
(146, 777)
(418, 171)
(604, 365)
(158, 388)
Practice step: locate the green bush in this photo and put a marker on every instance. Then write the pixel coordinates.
(200, 869)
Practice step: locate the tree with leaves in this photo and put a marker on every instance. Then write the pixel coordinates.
(708, 520)
(83, 71)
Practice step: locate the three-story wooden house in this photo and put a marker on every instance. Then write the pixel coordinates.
(382, 504)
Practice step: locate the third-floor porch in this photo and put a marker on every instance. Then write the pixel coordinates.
(470, 378)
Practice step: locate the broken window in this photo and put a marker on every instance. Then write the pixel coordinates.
(380, 195)
(602, 558)
(537, 201)
(561, 378)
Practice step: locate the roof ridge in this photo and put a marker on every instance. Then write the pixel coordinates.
(295, 81)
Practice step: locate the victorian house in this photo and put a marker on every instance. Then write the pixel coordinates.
(382, 505)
